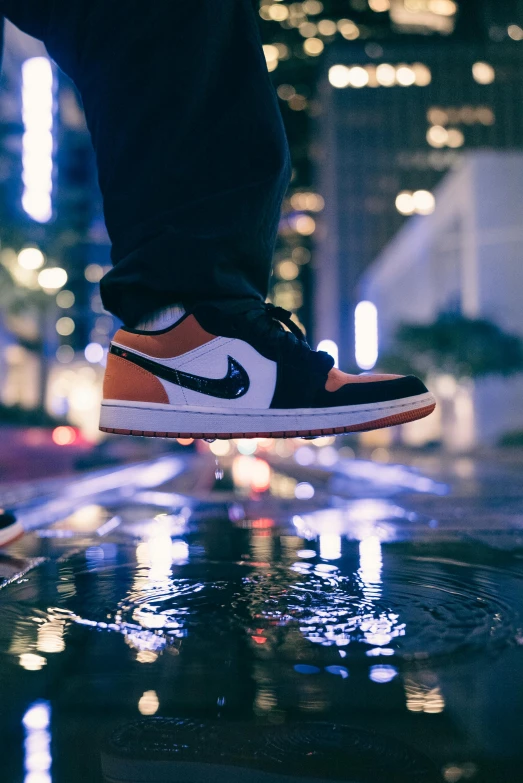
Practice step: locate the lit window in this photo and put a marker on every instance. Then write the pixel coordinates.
(421, 202)
(305, 225)
(371, 70)
(455, 138)
(358, 77)
(379, 5)
(386, 75)
(437, 136)
(404, 203)
(286, 92)
(287, 270)
(94, 353)
(443, 7)
(483, 73)
(422, 74)
(283, 51)
(65, 326)
(327, 27)
(271, 52)
(308, 29)
(424, 202)
(437, 116)
(65, 354)
(310, 201)
(52, 279)
(468, 115)
(278, 12)
(515, 32)
(366, 335)
(65, 299)
(94, 273)
(313, 47)
(298, 103)
(312, 7)
(31, 258)
(348, 29)
(339, 76)
(485, 115)
(405, 76)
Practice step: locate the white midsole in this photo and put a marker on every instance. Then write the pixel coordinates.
(156, 417)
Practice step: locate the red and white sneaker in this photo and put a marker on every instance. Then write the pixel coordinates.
(221, 375)
(10, 529)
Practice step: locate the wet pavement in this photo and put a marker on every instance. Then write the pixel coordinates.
(266, 601)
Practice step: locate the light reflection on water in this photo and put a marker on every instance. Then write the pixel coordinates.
(392, 478)
(328, 617)
(37, 743)
(354, 596)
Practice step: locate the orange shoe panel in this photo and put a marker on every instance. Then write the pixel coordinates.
(336, 379)
(126, 381)
(182, 339)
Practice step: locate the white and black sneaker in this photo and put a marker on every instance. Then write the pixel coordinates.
(10, 528)
(217, 374)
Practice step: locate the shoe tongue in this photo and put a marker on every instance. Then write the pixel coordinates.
(303, 371)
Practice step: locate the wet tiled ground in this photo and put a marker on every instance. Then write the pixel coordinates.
(380, 597)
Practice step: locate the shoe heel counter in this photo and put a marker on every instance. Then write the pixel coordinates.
(124, 380)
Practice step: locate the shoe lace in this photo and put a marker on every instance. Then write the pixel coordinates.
(261, 324)
(285, 317)
(268, 321)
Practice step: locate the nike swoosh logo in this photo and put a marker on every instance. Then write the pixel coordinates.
(232, 387)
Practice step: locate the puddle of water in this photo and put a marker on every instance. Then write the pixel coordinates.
(248, 634)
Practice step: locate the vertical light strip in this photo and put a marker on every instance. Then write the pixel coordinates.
(37, 141)
(37, 743)
(330, 546)
(366, 335)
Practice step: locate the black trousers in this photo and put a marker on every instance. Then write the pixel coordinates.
(192, 156)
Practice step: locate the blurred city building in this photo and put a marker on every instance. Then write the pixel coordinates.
(53, 243)
(464, 257)
(394, 119)
(405, 86)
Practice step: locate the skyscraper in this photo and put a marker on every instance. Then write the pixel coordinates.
(394, 117)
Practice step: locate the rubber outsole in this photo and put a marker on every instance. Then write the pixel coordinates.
(389, 421)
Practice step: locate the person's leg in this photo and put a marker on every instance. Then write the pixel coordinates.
(192, 155)
(193, 164)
